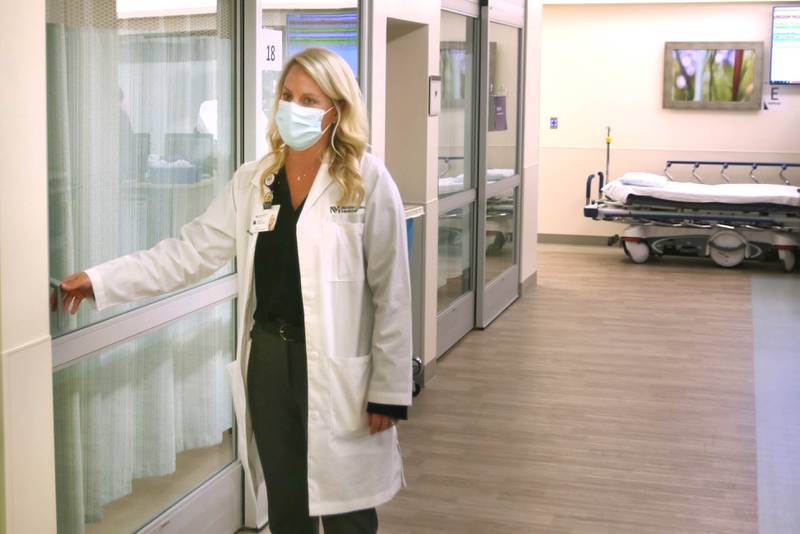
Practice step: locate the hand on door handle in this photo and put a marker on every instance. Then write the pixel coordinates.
(75, 288)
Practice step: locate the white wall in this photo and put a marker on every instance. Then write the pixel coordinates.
(602, 66)
(27, 483)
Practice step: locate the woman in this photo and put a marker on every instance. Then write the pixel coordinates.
(324, 352)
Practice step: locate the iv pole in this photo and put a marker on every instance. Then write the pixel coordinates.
(608, 152)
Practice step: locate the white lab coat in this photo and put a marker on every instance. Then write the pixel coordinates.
(357, 306)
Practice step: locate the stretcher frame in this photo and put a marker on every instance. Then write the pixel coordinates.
(728, 233)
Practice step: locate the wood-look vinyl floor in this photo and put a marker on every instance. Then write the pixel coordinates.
(612, 398)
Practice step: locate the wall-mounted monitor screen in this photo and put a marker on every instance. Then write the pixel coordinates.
(785, 63)
(713, 75)
(334, 30)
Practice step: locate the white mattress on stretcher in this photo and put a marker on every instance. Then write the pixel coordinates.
(698, 193)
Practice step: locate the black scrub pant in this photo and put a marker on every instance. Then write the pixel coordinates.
(277, 384)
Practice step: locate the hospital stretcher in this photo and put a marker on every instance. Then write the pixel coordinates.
(729, 222)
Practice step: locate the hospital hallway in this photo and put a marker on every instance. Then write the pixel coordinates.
(615, 398)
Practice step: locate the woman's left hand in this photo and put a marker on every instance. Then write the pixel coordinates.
(379, 422)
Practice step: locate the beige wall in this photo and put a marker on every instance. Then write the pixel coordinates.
(27, 484)
(407, 144)
(530, 149)
(415, 170)
(602, 66)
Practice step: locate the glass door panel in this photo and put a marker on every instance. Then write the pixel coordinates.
(457, 116)
(140, 129)
(502, 136)
(141, 424)
(141, 137)
(501, 164)
(500, 234)
(457, 178)
(456, 255)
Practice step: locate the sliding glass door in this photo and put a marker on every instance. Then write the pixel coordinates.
(479, 166)
(140, 139)
(458, 178)
(500, 168)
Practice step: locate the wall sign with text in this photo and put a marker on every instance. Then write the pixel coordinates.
(272, 41)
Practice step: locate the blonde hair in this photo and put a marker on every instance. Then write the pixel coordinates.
(350, 133)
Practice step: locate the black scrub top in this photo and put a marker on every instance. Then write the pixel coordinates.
(277, 267)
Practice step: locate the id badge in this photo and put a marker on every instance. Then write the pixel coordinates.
(264, 220)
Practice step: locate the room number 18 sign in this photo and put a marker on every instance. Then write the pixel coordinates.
(272, 43)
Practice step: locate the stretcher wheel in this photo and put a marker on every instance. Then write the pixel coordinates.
(727, 248)
(638, 252)
(788, 258)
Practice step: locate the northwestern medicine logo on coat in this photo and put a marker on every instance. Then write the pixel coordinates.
(346, 209)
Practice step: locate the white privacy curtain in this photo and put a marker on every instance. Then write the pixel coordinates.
(125, 413)
(128, 167)
(120, 109)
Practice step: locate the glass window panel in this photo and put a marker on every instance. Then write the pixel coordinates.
(456, 258)
(139, 425)
(335, 27)
(457, 116)
(140, 128)
(500, 234)
(501, 142)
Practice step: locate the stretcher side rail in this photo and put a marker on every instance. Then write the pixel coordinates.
(600, 184)
(725, 165)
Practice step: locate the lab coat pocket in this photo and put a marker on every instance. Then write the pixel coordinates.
(347, 251)
(349, 379)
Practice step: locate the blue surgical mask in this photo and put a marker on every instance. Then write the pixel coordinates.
(299, 126)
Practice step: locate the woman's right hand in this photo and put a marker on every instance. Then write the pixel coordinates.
(74, 289)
